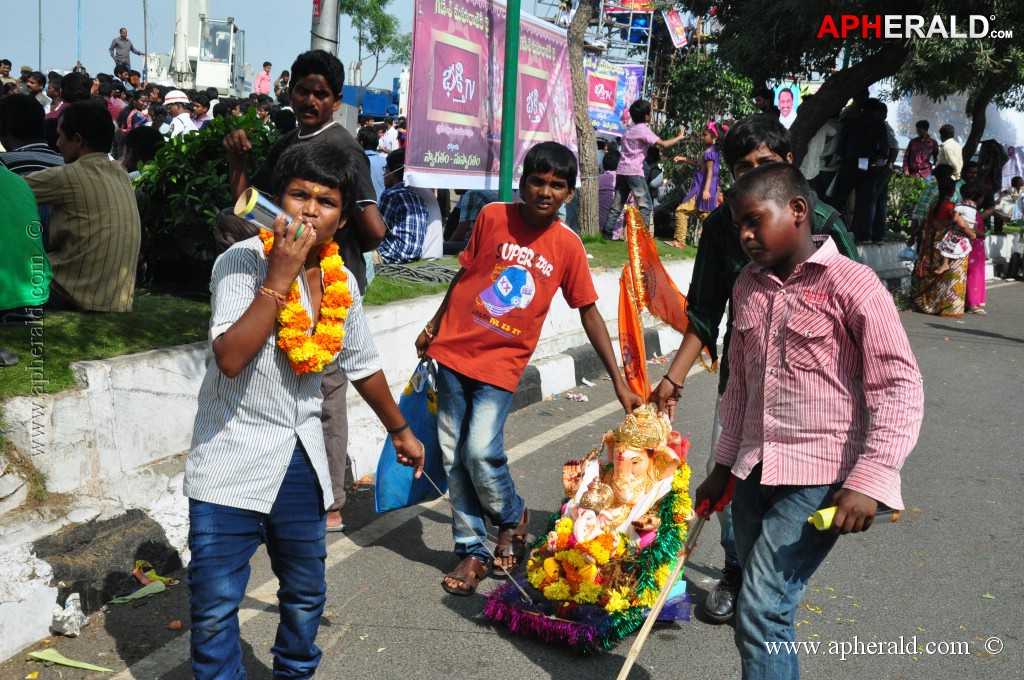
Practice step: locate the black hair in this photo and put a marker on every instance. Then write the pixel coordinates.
(201, 99)
(946, 131)
(21, 117)
(368, 138)
(321, 63)
(55, 79)
(1017, 181)
(974, 191)
(266, 64)
(222, 109)
(284, 120)
(602, 143)
(121, 68)
(611, 160)
(946, 185)
(921, 124)
(639, 110)
(752, 132)
(779, 183)
(139, 94)
(551, 157)
(212, 93)
(320, 163)
(874, 105)
(652, 156)
(5, 62)
(132, 73)
(144, 141)
(38, 76)
(943, 170)
(75, 88)
(284, 74)
(91, 121)
(969, 165)
(396, 162)
(105, 89)
(787, 89)
(264, 106)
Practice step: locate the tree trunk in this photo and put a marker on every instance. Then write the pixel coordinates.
(587, 140)
(837, 90)
(977, 103)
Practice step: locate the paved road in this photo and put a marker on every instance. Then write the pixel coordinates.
(947, 575)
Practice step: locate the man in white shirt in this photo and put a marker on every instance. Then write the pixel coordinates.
(178, 106)
(389, 141)
(950, 151)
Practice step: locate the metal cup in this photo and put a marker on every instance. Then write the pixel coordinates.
(252, 206)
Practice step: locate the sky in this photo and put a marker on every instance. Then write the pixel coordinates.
(271, 34)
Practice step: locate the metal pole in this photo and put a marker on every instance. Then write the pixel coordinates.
(40, 35)
(145, 40)
(324, 31)
(508, 104)
(79, 30)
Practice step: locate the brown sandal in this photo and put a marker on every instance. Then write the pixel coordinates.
(468, 574)
(512, 543)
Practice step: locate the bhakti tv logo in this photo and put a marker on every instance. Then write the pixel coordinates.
(905, 26)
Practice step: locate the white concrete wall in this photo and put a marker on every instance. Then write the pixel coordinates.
(137, 409)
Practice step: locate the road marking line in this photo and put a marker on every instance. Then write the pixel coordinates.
(176, 652)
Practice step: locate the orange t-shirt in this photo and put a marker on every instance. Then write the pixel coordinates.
(498, 307)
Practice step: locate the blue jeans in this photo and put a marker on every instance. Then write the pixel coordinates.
(471, 430)
(624, 185)
(223, 539)
(779, 551)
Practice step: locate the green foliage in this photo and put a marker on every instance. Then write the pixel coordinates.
(185, 187)
(702, 88)
(379, 31)
(903, 193)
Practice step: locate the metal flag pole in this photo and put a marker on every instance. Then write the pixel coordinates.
(508, 103)
(145, 40)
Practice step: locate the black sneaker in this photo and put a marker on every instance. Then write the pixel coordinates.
(721, 601)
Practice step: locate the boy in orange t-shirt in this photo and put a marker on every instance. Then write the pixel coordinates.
(482, 337)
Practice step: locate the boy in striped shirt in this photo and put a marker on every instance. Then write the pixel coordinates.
(823, 406)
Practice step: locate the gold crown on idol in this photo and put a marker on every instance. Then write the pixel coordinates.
(643, 429)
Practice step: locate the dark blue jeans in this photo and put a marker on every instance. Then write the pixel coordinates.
(223, 540)
(779, 551)
(471, 419)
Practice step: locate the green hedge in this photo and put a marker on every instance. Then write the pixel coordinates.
(183, 189)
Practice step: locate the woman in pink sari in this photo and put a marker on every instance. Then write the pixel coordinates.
(976, 259)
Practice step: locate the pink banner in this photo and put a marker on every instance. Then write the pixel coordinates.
(455, 95)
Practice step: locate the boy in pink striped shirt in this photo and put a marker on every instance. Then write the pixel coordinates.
(823, 406)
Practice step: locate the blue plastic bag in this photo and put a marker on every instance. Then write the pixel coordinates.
(395, 486)
(908, 254)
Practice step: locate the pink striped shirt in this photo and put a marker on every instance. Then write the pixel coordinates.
(824, 386)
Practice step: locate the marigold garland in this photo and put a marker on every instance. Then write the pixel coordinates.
(310, 353)
(570, 572)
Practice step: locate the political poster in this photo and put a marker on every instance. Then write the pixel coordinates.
(676, 25)
(611, 88)
(456, 93)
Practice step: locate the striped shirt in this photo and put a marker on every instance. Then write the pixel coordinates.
(30, 157)
(824, 387)
(720, 258)
(95, 231)
(246, 427)
(407, 218)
